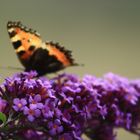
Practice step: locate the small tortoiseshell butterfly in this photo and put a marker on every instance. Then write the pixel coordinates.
(34, 54)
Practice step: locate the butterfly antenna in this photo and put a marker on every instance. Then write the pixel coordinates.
(77, 64)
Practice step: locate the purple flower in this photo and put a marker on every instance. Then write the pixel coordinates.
(66, 136)
(47, 112)
(27, 75)
(31, 113)
(35, 102)
(55, 127)
(119, 118)
(72, 87)
(3, 104)
(29, 84)
(103, 111)
(132, 98)
(19, 104)
(49, 107)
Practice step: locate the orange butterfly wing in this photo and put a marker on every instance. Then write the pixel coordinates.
(34, 54)
(25, 40)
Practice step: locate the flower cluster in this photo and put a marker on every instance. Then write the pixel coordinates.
(65, 107)
(119, 106)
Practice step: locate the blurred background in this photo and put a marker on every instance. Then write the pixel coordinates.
(104, 35)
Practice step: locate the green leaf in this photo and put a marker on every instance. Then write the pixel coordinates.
(2, 117)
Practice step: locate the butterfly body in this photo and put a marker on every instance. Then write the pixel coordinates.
(34, 54)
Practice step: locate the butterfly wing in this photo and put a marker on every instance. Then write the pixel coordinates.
(25, 41)
(51, 57)
(34, 55)
(60, 53)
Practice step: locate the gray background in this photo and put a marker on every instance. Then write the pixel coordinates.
(103, 34)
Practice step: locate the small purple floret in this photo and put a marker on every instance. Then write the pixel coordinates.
(19, 104)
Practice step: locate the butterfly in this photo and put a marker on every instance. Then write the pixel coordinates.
(34, 54)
